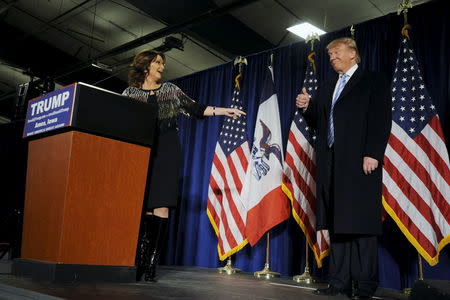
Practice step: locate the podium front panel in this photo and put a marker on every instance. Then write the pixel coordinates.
(88, 211)
(47, 173)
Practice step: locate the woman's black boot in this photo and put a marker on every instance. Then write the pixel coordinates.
(157, 243)
(142, 251)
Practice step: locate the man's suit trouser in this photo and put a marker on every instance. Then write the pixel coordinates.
(353, 257)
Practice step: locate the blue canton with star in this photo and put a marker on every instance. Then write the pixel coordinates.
(233, 132)
(412, 107)
(310, 84)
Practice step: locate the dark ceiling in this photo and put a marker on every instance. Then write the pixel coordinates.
(62, 40)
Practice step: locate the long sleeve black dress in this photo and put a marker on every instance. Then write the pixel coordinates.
(165, 161)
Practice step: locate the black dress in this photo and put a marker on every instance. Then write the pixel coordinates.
(165, 156)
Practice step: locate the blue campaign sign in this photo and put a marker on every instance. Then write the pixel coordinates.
(50, 111)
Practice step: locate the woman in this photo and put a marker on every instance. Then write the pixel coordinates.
(145, 85)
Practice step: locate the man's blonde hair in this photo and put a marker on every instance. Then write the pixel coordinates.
(349, 42)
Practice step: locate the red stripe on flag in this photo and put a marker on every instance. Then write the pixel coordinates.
(433, 156)
(323, 244)
(287, 183)
(301, 183)
(234, 174)
(212, 211)
(422, 173)
(423, 207)
(309, 164)
(409, 223)
(234, 211)
(270, 211)
(295, 204)
(436, 125)
(228, 234)
(242, 157)
(307, 222)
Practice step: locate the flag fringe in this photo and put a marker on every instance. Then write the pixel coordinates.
(303, 227)
(431, 260)
(224, 256)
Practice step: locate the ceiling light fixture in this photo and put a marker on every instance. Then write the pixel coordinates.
(305, 29)
(101, 66)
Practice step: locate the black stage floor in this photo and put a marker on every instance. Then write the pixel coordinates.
(174, 283)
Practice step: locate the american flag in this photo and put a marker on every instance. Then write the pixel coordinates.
(300, 171)
(225, 208)
(416, 176)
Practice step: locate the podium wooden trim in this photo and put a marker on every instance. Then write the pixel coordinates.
(83, 200)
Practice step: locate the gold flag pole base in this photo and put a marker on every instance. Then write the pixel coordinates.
(266, 273)
(306, 277)
(408, 291)
(228, 269)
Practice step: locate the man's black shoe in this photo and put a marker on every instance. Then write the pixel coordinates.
(356, 297)
(329, 291)
(357, 294)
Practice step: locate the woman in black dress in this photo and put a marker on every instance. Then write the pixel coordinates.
(162, 183)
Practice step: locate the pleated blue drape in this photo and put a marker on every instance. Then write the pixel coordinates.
(192, 241)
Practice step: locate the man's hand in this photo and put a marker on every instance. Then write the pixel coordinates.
(369, 164)
(302, 100)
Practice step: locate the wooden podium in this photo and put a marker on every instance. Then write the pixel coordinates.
(85, 188)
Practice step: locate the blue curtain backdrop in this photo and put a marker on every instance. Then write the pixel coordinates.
(192, 241)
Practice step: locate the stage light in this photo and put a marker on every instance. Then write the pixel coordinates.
(305, 29)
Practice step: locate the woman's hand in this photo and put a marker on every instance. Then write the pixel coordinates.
(223, 111)
(231, 112)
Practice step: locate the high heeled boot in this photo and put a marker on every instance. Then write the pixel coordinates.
(142, 250)
(157, 243)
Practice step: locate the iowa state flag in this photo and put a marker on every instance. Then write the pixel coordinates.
(267, 204)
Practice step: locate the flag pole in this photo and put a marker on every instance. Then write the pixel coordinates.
(266, 273)
(408, 291)
(228, 268)
(403, 8)
(306, 277)
(235, 102)
(420, 266)
(240, 61)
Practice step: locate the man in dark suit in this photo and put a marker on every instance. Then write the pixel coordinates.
(352, 118)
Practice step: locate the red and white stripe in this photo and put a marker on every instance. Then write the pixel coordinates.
(225, 208)
(300, 186)
(416, 187)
